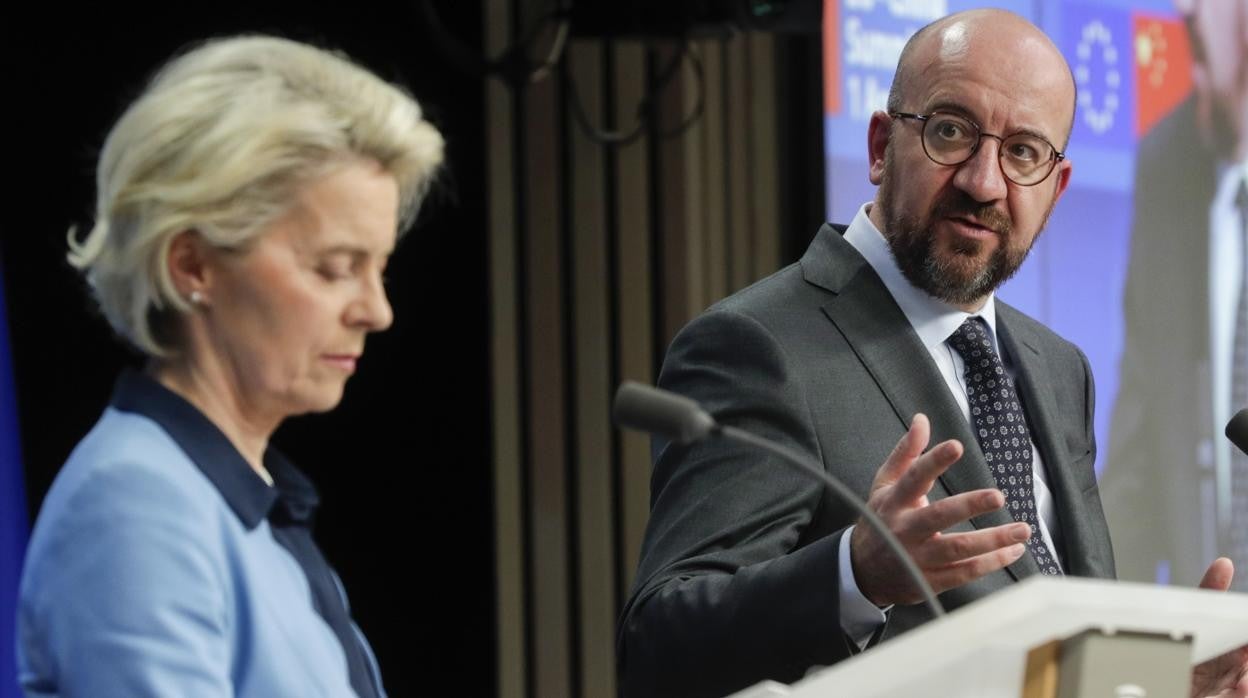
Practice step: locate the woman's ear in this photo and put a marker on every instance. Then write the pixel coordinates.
(189, 266)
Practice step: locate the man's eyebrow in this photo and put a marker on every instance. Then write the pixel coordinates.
(949, 106)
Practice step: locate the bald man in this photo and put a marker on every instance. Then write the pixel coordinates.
(884, 339)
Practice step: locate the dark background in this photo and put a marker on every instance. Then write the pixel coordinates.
(403, 464)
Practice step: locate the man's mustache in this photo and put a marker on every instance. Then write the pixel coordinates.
(958, 204)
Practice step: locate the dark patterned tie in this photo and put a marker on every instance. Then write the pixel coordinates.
(999, 424)
(1238, 533)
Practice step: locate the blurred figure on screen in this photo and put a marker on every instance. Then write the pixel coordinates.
(1175, 490)
(247, 203)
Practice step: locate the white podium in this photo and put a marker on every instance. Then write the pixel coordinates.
(1013, 644)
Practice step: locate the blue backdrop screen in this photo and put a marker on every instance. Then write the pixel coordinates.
(1132, 63)
(1166, 472)
(13, 522)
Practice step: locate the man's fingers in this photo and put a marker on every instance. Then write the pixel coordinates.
(905, 452)
(918, 480)
(1218, 576)
(945, 513)
(953, 549)
(968, 570)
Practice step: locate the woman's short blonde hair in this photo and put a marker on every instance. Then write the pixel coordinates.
(219, 143)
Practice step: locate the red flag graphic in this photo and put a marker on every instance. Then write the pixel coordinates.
(831, 57)
(1163, 67)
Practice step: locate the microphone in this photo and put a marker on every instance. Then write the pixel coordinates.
(677, 418)
(674, 417)
(1237, 430)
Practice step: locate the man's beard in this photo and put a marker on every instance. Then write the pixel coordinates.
(956, 276)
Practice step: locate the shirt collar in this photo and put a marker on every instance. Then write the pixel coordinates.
(292, 499)
(933, 320)
(1230, 178)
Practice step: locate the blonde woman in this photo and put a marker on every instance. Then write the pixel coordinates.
(247, 204)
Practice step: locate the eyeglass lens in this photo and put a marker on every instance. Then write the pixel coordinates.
(951, 140)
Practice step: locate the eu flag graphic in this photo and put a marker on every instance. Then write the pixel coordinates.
(1098, 43)
(13, 523)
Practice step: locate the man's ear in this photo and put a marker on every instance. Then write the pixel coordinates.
(878, 133)
(1064, 169)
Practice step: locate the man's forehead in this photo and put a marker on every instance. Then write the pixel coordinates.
(994, 35)
(1021, 84)
(952, 40)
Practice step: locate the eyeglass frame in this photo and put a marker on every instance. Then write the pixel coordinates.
(924, 119)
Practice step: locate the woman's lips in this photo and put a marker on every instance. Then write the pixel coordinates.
(345, 362)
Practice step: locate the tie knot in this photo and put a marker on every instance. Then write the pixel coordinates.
(971, 339)
(1241, 195)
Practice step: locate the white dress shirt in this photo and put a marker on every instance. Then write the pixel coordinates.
(934, 321)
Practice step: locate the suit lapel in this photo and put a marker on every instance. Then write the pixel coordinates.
(866, 315)
(1041, 407)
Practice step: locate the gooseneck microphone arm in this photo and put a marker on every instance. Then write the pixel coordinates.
(802, 463)
(677, 418)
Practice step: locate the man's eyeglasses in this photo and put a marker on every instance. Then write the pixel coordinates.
(949, 139)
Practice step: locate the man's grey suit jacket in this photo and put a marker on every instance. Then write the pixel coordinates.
(738, 578)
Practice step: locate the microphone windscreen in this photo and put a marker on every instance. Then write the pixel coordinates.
(649, 409)
(1237, 430)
